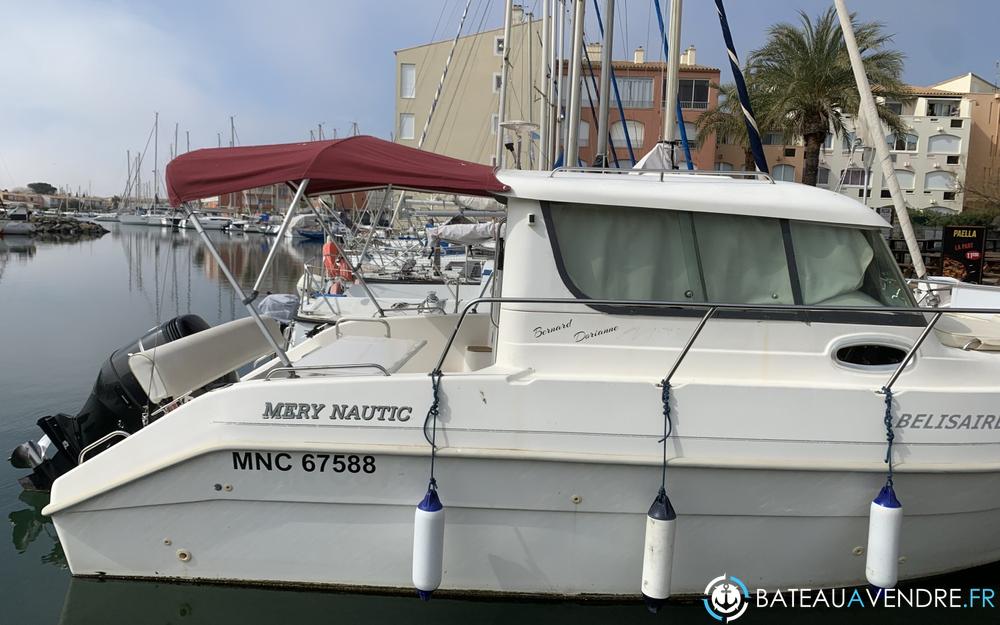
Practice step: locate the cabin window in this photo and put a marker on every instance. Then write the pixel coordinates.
(624, 253)
(609, 252)
(840, 266)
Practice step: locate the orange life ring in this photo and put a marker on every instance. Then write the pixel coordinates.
(331, 257)
(344, 270)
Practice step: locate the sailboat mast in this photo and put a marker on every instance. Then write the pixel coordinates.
(576, 67)
(670, 120)
(498, 156)
(156, 158)
(544, 80)
(604, 106)
(871, 119)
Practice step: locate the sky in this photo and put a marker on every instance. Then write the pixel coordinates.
(81, 79)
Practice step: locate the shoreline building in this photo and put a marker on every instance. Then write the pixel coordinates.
(465, 118)
(945, 160)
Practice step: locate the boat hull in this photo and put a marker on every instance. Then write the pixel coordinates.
(515, 525)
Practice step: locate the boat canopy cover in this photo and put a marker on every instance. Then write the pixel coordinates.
(351, 164)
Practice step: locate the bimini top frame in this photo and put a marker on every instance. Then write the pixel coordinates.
(315, 168)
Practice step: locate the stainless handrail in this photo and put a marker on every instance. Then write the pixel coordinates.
(757, 175)
(388, 328)
(350, 365)
(715, 307)
(104, 439)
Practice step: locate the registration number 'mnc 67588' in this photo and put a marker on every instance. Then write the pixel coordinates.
(307, 462)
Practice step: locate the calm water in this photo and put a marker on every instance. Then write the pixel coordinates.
(65, 306)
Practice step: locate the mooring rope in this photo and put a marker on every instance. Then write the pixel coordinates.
(432, 418)
(668, 428)
(889, 434)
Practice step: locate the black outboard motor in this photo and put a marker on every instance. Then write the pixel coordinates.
(116, 403)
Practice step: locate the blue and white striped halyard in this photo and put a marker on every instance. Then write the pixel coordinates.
(756, 146)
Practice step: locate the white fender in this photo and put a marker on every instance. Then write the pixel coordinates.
(428, 544)
(658, 552)
(884, 528)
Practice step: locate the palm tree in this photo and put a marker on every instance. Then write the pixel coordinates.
(726, 121)
(807, 86)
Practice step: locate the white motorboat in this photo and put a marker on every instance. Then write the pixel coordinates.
(208, 222)
(106, 217)
(772, 314)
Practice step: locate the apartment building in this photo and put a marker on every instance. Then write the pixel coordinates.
(465, 120)
(949, 147)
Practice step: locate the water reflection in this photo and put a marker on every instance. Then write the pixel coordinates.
(28, 524)
(15, 249)
(163, 264)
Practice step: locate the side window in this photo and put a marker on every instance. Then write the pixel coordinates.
(644, 254)
(610, 252)
(743, 259)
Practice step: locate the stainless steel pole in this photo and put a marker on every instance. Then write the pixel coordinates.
(573, 115)
(601, 157)
(247, 301)
(281, 235)
(358, 274)
(498, 156)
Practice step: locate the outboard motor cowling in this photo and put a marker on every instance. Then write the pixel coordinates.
(116, 403)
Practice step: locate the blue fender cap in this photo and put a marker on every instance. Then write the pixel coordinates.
(431, 502)
(887, 498)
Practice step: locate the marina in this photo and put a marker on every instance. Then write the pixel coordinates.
(541, 373)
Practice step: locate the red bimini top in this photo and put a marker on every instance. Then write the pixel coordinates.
(340, 165)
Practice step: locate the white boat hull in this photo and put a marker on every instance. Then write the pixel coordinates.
(512, 525)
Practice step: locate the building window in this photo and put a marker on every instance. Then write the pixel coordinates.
(497, 82)
(902, 143)
(406, 126)
(828, 142)
(944, 144)
(854, 177)
(494, 123)
(895, 107)
(584, 136)
(498, 46)
(636, 93)
(691, 131)
(773, 138)
(956, 123)
(823, 176)
(949, 195)
(939, 181)
(785, 173)
(720, 166)
(942, 108)
(692, 92)
(884, 193)
(636, 132)
(790, 152)
(953, 160)
(407, 80)
(848, 140)
(905, 178)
